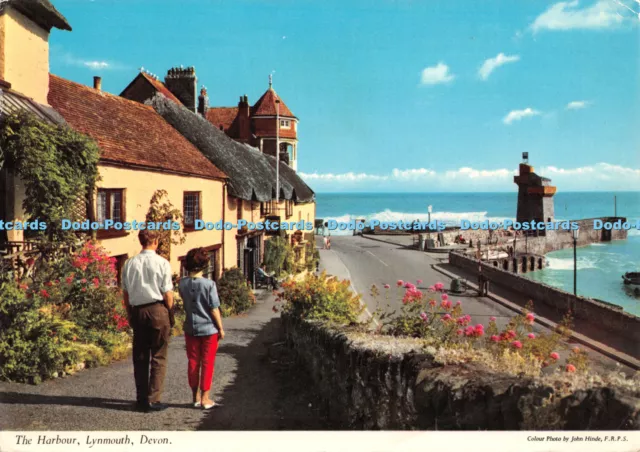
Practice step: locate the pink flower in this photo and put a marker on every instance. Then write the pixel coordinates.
(44, 293)
(446, 317)
(530, 317)
(511, 333)
(423, 316)
(48, 284)
(571, 368)
(554, 355)
(444, 297)
(438, 286)
(492, 319)
(458, 303)
(531, 336)
(399, 283)
(432, 302)
(387, 286)
(419, 281)
(84, 289)
(495, 338)
(517, 344)
(459, 332)
(83, 280)
(69, 279)
(432, 288)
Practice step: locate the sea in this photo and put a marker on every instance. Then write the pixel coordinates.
(600, 266)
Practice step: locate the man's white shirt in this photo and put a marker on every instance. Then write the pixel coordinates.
(146, 277)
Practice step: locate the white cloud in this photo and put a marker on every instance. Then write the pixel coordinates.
(492, 64)
(345, 177)
(517, 115)
(437, 74)
(96, 64)
(569, 16)
(605, 175)
(577, 104)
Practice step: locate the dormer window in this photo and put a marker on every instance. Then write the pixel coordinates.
(285, 124)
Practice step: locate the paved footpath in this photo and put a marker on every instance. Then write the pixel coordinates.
(256, 383)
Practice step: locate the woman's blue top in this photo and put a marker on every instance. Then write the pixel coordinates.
(200, 296)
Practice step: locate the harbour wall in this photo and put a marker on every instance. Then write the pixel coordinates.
(608, 317)
(553, 240)
(376, 382)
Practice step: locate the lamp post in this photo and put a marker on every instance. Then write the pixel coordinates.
(429, 210)
(277, 153)
(575, 233)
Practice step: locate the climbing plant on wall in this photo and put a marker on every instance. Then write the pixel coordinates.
(162, 210)
(57, 165)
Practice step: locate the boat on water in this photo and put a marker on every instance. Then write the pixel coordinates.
(632, 278)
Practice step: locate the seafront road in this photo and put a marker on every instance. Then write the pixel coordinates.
(386, 260)
(256, 382)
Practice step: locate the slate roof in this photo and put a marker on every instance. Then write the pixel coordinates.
(251, 174)
(40, 11)
(127, 132)
(266, 105)
(12, 102)
(301, 192)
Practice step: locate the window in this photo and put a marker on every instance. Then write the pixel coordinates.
(285, 124)
(289, 208)
(192, 209)
(265, 208)
(110, 205)
(239, 214)
(210, 271)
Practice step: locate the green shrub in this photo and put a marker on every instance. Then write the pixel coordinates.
(312, 256)
(34, 341)
(234, 292)
(278, 256)
(320, 297)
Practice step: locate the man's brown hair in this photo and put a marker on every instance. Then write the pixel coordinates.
(146, 237)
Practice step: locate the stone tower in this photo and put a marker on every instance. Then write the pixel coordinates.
(535, 194)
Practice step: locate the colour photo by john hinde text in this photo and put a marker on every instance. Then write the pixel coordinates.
(258, 223)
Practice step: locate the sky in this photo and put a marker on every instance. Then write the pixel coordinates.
(398, 95)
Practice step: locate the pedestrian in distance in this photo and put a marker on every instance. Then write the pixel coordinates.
(325, 236)
(148, 297)
(202, 327)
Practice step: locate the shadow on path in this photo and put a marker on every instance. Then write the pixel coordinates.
(267, 390)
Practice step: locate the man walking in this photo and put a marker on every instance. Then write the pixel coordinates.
(148, 296)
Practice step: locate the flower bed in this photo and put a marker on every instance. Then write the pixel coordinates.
(431, 366)
(69, 315)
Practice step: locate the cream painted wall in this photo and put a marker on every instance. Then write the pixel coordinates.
(139, 187)
(24, 55)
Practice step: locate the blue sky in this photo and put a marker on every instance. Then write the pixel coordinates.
(398, 95)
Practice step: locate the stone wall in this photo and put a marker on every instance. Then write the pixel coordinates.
(607, 316)
(379, 382)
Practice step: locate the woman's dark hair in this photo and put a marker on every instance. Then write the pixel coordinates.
(197, 260)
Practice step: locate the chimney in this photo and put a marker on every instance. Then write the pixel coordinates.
(203, 102)
(97, 83)
(182, 82)
(244, 119)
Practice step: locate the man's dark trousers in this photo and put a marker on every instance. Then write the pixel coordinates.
(151, 332)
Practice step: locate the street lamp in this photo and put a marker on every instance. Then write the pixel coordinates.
(277, 153)
(575, 233)
(429, 210)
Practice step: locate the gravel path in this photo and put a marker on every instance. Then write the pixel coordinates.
(256, 384)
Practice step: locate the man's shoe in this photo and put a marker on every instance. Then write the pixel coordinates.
(158, 406)
(141, 407)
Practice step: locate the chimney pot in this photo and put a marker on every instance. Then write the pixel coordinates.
(97, 83)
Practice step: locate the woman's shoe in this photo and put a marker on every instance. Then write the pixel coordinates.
(197, 404)
(208, 406)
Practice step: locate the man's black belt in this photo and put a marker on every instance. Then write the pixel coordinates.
(147, 304)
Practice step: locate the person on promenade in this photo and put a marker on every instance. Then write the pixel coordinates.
(202, 327)
(325, 235)
(148, 297)
(271, 280)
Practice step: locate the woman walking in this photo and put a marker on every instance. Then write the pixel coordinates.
(202, 327)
